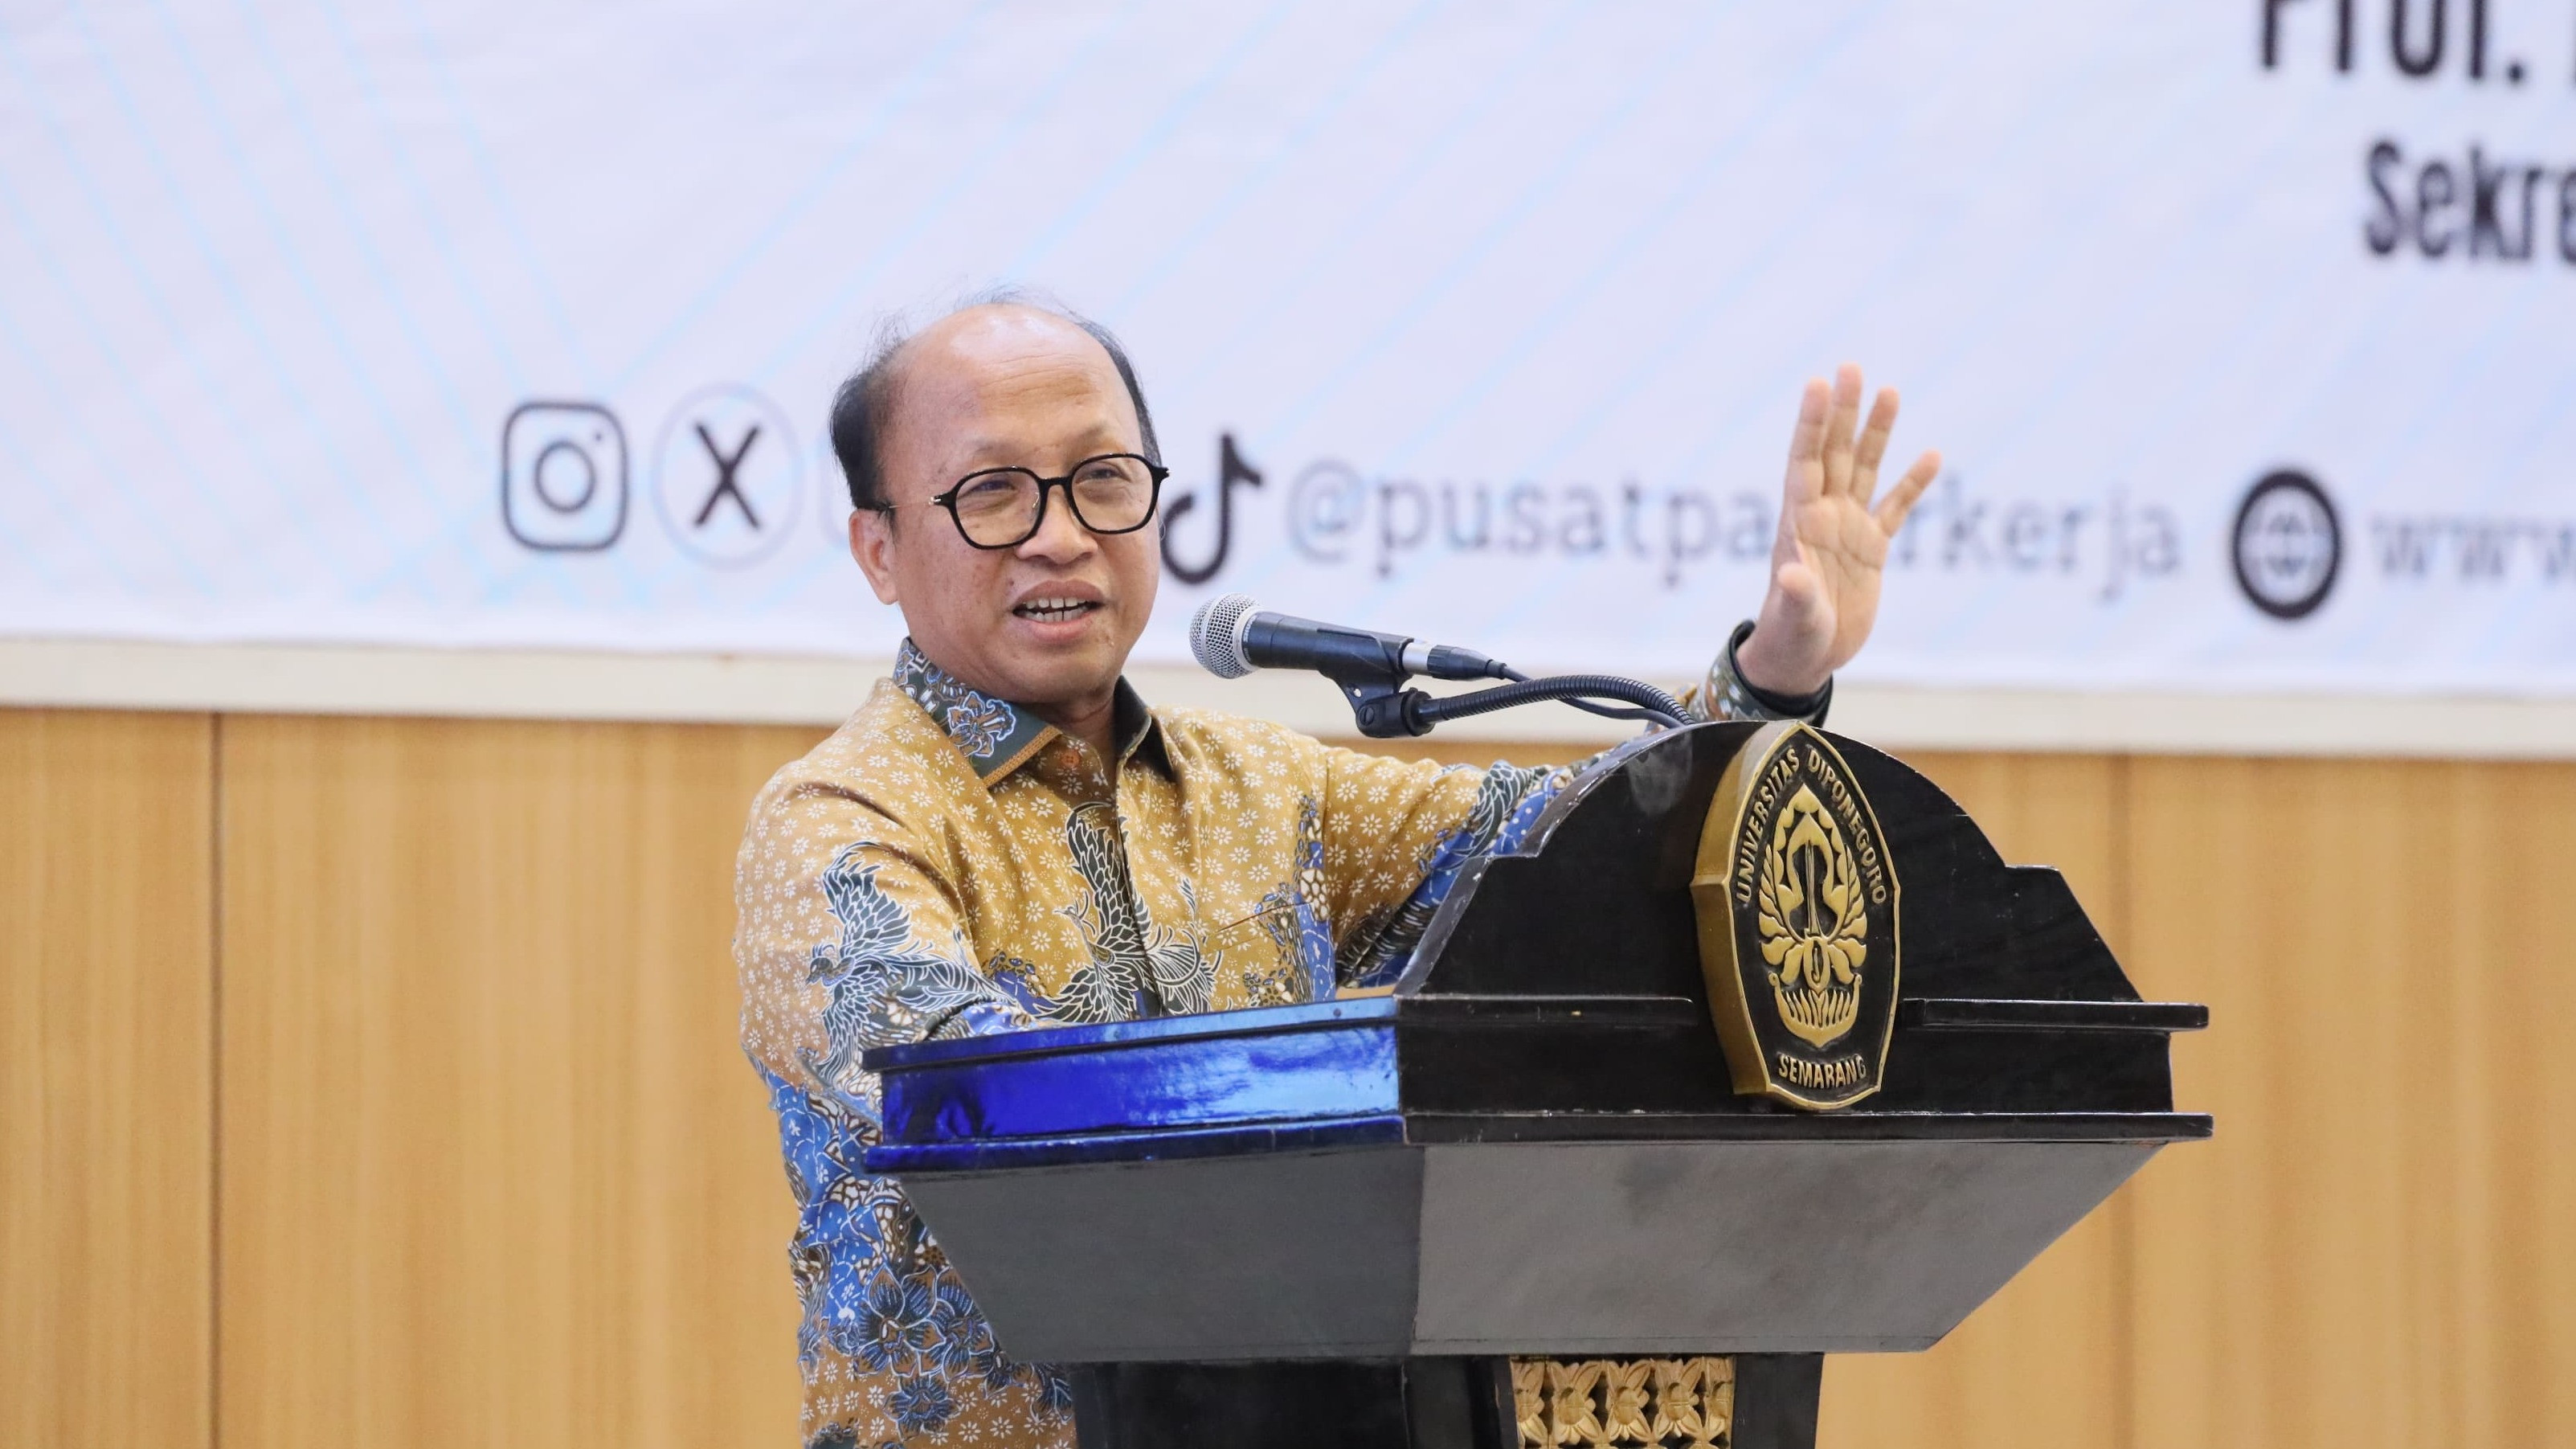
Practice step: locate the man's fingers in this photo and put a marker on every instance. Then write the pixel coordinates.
(1873, 444)
(1838, 429)
(1900, 499)
(1807, 442)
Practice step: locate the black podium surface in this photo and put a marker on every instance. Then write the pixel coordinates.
(1531, 1149)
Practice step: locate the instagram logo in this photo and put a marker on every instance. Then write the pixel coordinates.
(563, 476)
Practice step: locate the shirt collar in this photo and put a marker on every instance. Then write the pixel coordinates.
(996, 736)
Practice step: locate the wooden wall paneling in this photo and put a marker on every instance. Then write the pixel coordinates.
(2374, 1250)
(495, 1171)
(106, 1132)
(716, 1254)
(2044, 1364)
(2515, 893)
(491, 1170)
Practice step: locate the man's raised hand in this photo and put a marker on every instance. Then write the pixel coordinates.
(1832, 548)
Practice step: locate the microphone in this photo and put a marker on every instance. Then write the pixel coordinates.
(1231, 638)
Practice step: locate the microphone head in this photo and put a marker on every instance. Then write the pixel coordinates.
(1216, 635)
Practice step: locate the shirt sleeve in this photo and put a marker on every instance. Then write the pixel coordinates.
(1725, 694)
(849, 937)
(1397, 833)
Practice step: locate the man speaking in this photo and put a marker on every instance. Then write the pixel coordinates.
(1006, 835)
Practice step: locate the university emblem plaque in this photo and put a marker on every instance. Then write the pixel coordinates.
(1796, 897)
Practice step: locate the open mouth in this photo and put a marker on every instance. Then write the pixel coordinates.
(1055, 611)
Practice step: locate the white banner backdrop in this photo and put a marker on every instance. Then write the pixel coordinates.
(2244, 330)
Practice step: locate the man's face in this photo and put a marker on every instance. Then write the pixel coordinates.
(1047, 623)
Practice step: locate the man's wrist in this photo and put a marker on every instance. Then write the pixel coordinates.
(1727, 694)
(1767, 660)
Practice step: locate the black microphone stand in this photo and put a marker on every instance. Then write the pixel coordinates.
(1384, 708)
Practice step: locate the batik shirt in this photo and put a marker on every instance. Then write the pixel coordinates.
(946, 864)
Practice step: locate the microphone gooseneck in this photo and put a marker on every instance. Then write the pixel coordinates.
(1230, 638)
(1573, 689)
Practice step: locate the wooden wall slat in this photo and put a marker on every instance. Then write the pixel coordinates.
(495, 1172)
(2374, 1250)
(106, 1131)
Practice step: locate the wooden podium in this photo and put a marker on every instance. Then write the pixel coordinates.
(1569, 1182)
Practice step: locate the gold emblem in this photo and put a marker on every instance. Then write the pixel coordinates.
(1796, 899)
(1814, 922)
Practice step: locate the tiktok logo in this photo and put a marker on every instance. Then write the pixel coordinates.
(1231, 471)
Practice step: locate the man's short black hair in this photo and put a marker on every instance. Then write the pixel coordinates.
(864, 406)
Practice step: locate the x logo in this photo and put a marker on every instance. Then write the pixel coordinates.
(749, 447)
(726, 487)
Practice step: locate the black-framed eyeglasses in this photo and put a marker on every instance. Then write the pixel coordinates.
(1004, 507)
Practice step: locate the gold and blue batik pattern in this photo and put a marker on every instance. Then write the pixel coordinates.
(946, 864)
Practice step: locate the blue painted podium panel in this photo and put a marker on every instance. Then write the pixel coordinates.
(1275, 1078)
